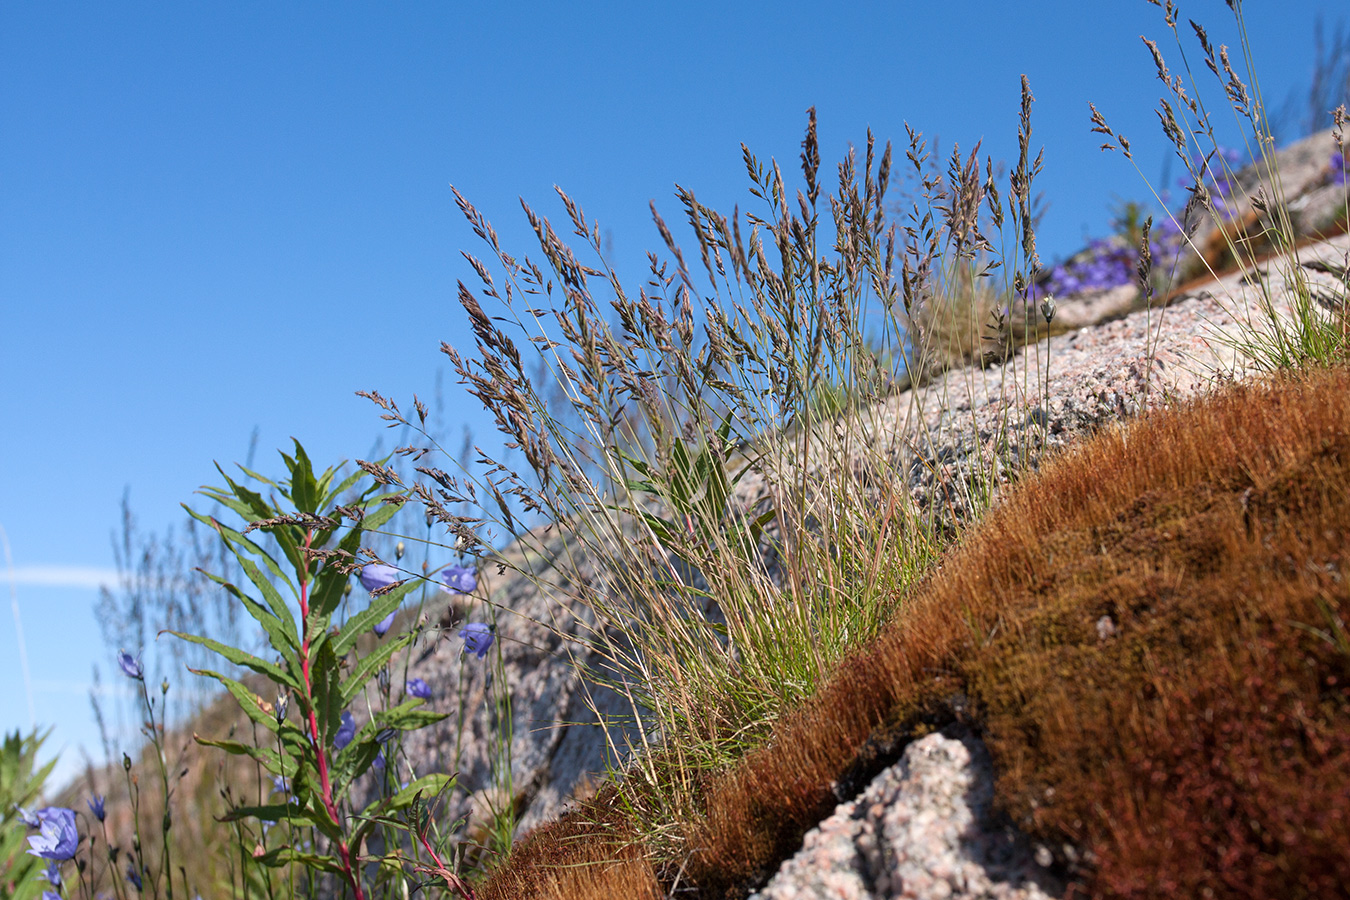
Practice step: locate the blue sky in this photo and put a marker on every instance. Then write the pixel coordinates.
(220, 217)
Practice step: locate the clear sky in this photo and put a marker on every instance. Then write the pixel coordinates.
(222, 216)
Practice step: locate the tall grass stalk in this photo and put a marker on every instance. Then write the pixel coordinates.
(731, 535)
(1266, 340)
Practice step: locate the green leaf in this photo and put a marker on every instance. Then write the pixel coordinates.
(258, 508)
(371, 664)
(355, 759)
(328, 703)
(285, 535)
(304, 488)
(368, 618)
(248, 701)
(240, 658)
(328, 586)
(282, 638)
(275, 601)
(267, 757)
(331, 497)
(428, 784)
(232, 537)
(284, 856)
(409, 716)
(272, 812)
(288, 812)
(313, 814)
(665, 530)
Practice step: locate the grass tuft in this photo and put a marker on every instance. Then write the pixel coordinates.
(1124, 633)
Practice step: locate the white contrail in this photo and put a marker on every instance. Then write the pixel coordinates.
(18, 630)
(65, 576)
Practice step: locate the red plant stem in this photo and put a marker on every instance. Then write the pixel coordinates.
(319, 755)
(451, 879)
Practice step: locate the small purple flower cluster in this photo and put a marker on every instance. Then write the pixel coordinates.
(1113, 262)
(1109, 263)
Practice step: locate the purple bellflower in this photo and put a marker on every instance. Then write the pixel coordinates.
(416, 687)
(96, 806)
(346, 732)
(50, 895)
(382, 627)
(133, 876)
(377, 575)
(459, 579)
(53, 874)
(57, 838)
(130, 665)
(28, 817)
(1339, 167)
(477, 638)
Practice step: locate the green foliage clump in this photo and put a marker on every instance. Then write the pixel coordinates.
(21, 781)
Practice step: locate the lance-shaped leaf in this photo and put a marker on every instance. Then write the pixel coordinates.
(288, 812)
(234, 540)
(354, 760)
(264, 755)
(409, 715)
(284, 856)
(241, 658)
(279, 635)
(428, 784)
(248, 701)
(328, 703)
(366, 619)
(304, 488)
(371, 664)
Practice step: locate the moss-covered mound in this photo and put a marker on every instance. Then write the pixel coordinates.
(1149, 635)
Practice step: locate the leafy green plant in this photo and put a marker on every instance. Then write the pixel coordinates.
(312, 748)
(21, 781)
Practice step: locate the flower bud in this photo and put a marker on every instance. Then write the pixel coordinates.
(398, 551)
(1048, 308)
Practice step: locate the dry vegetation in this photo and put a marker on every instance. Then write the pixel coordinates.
(1131, 629)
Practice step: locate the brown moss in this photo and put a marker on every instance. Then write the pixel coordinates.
(1121, 630)
(591, 852)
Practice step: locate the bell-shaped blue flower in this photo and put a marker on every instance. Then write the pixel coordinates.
(459, 579)
(130, 665)
(477, 638)
(346, 731)
(383, 626)
(377, 575)
(57, 837)
(96, 806)
(416, 687)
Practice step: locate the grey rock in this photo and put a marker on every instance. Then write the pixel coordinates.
(925, 827)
